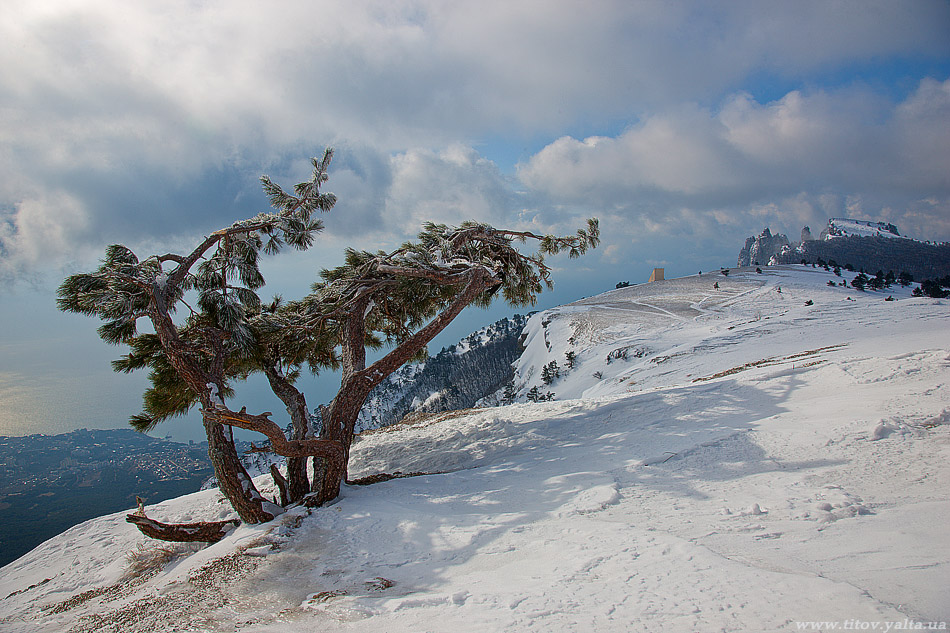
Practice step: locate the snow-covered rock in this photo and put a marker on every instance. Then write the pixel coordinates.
(859, 244)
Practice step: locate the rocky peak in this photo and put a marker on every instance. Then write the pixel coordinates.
(759, 250)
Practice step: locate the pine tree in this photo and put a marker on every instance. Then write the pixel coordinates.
(860, 281)
(510, 393)
(878, 281)
(401, 299)
(194, 360)
(534, 394)
(550, 372)
(570, 358)
(933, 288)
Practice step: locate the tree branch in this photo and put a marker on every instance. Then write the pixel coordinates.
(439, 276)
(280, 444)
(281, 482)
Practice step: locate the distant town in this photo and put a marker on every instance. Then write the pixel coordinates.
(48, 483)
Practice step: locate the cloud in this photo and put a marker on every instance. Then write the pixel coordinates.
(385, 198)
(798, 158)
(449, 186)
(154, 119)
(37, 227)
(186, 83)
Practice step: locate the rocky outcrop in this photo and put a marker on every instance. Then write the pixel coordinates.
(759, 250)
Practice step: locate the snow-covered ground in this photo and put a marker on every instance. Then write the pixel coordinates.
(749, 463)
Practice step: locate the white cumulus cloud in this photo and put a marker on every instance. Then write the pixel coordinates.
(747, 156)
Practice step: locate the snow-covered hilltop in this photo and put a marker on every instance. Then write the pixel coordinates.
(846, 227)
(751, 452)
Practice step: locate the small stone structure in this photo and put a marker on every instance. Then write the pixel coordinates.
(657, 275)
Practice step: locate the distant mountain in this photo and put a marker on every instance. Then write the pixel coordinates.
(455, 378)
(862, 245)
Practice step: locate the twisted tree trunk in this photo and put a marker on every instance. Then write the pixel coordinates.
(298, 485)
(339, 421)
(202, 532)
(234, 482)
(233, 479)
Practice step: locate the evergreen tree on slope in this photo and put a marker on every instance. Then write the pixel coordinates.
(403, 299)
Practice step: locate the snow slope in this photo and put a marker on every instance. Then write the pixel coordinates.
(751, 463)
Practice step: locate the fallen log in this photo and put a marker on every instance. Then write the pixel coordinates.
(201, 532)
(381, 477)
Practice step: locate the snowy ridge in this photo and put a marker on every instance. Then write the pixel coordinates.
(652, 335)
(455, 378)
(753, 457)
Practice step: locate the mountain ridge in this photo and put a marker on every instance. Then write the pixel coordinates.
(861, 245)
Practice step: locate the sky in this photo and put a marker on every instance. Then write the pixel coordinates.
(685, 127)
